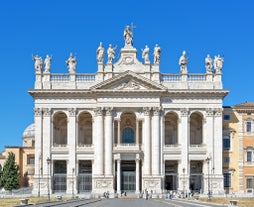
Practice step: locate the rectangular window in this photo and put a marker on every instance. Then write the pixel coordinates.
(226, 159)
(248, 126)
(249, 156)
(30, 160)
(226, 143)
(249, 183)
(226, 117)
(227, 180)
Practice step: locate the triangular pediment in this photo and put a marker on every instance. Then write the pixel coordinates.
(128, 81)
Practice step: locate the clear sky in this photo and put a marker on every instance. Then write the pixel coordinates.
(58, 27)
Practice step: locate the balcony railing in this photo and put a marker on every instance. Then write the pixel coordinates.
(127, 147)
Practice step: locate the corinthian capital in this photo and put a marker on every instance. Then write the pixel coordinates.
(108, 110)
(147, 111)
(98, 111)
(37, 111)
(156, 111)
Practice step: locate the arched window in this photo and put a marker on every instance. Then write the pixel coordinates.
(128, 135)
(85, 131)
(60, 129)
(196, 129)
(171, 129)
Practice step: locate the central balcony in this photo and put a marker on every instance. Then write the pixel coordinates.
(127, 147)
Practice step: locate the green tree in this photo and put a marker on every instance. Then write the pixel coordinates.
(10, 173)
(1, 176)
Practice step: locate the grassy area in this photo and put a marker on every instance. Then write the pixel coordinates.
(9, 202)
(242, 202)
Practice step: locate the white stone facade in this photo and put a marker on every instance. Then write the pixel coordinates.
(128, 127)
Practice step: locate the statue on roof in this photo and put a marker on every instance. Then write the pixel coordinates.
(71, 63)
(47, 63)
(208, 64)
(111, 53)
(100, 53)
(157, 54)
(37, 63)
(128, 36)
(183, 63)
(145, 54)
(218, 63)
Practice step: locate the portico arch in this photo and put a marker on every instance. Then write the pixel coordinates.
(171, 128)
(60, 129)
(196, 128)
(85, 129)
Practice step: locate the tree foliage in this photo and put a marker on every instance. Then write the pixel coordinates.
(1, 176)
(10, 173)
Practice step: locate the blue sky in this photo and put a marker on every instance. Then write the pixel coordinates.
(57, 28)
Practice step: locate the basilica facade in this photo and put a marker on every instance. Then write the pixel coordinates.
(128, 127)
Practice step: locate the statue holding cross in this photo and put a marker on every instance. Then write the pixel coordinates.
(128, 35)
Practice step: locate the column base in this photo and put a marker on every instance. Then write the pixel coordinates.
(102, 184)
(152, 184)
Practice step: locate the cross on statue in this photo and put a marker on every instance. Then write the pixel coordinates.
(128, 35)
(132, 27)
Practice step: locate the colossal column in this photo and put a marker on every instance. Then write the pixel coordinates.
(184, 134)
(98, 142)
(72, 150)
(147, 141)
(38, 120)
(108, 142)
(156, 142)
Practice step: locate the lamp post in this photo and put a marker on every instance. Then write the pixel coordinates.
(48, 162)
(73, 170)
(208, 177)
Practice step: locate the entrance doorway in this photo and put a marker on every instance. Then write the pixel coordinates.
(171, 175)
(128, 176)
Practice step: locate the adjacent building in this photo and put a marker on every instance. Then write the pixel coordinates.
(24, 156)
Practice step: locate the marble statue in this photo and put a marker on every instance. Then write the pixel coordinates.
(208, 64)
(183, 62)
(100, 53)
(157, 54)
(47, 63)
(128, 36)
(71, 63)
(37, 63)
(145, 54)
(218, 64)
(111, 54)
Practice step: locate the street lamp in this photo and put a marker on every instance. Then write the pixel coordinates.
(208, 177)
(73, 182)
(48, 162)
